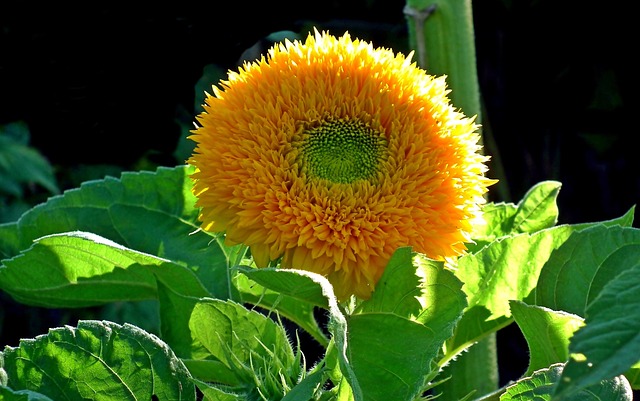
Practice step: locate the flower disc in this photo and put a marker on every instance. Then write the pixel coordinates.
(329, 154)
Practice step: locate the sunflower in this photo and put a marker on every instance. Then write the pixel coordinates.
(328, 154)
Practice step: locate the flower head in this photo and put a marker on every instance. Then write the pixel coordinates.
(330, 154)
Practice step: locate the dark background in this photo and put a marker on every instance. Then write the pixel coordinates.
(114, 88)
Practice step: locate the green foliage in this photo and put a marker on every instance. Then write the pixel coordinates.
(23, 171)
(542, 383)
(570, 288)
(96, 360)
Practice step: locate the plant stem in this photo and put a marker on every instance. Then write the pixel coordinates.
(442, 33)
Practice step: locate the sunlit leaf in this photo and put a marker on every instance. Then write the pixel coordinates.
(294, 283)
(536, 211)
(415, 298)
(291, 307)
(547, 333)
(98, 360)
(150, 212)
(82, 269)
(212, 393)
(505, 270)
(509, 269)
(417, 288)
(254, 349)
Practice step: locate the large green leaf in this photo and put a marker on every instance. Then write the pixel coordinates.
(576, 273)
(415, 298)
(82, 269)
(540, 386)
(609, 343)
(151, 212)
(505, 270)
(100, 361)
(294, 283)
(383, 358)
(547, 333)
(417, 288)
(509, 269)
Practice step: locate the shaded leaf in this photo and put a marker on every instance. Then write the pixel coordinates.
(539, 387)
(6, 394)
(21, 164)
(609, 343)
(307, 388)
(385, 361)
(576, 273)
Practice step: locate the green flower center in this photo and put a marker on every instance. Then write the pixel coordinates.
(342, 151)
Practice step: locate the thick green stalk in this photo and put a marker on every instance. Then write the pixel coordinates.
(444, 43)
(442, 34)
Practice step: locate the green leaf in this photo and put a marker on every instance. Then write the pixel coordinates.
(294, 283)
(82, 269)
(383, 359)
(399, 289)
(6, 394)
(151, 212)
(417, 288)
(254, 349)
(299, 310)
(316, 290)
(576, 273)
(98, 360)
(21, 164)
(536, 211)
(505, 270)
(307, 388)
(212, 393)
(540, 385)
(415, 298)
(294, 293)
(626, 220)
(609, 344)
(547, 333)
